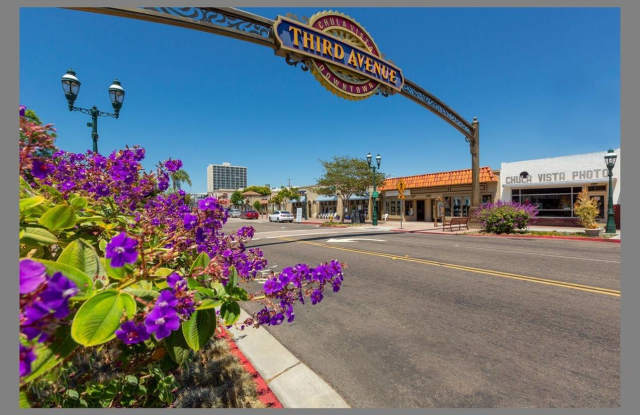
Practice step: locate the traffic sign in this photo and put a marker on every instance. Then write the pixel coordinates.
(401, 187)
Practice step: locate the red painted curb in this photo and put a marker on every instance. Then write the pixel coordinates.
(265, 394)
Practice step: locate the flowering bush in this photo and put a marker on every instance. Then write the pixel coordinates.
(586, 209)
(504, 217)
(108, 259)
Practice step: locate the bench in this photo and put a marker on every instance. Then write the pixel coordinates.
(455, 220)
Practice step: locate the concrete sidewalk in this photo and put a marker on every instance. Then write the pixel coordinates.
(293, 382)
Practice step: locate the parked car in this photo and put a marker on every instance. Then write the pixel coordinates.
(250, 214)
(281, 216)
(234, 213)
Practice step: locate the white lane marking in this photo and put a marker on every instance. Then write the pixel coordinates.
(339, 240)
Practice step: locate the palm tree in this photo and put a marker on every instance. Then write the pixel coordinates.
(179, 177)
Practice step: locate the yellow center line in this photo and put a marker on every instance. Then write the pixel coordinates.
(545, 281)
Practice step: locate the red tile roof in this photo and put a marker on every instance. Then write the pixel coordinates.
(439, 179)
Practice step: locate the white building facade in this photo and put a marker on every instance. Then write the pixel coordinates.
(225, 176)
(553, 185)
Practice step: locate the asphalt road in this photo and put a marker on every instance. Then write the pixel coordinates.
(456, 321)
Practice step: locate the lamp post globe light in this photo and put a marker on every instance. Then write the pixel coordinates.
(71, 88)
(374, 195)
(610, 160)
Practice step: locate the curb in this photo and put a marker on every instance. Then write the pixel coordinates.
(572, 238)
(292, 382)
(265, 395)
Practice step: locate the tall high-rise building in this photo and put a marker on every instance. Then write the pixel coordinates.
(225, 176)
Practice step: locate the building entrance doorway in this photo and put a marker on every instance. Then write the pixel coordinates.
(420, 210)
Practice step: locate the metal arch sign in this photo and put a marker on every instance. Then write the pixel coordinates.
(344, 57)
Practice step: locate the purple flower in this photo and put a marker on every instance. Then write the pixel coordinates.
(263, 316)
(189, 221)
(32, 274)
(22, 110)
(26, 357)
(132, 333)
(161, 321)
(272, 286)
(122, 249)
(209, 203)
(166, 299)
(67, 185)
(277, 319)
(175, 281)
(40, 169)
(173, 165)
(246, 232)
(316, 296)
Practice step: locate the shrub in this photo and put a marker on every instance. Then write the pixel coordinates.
(109, 259)
(587, 210)
(505, 217)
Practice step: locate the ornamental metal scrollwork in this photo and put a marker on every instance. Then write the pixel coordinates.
(294, 60)
(220, 17)
(438, 107)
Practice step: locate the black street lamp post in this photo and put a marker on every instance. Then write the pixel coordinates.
(71, 88)
(610, 159)
(374, 195)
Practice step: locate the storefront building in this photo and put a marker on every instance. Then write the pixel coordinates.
(553, 185)
(428, 197)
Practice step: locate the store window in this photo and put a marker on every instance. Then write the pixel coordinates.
(447, 206)
(393, 207)
(408, 207)
(457, 206)
(486, 199)
(466, 206)
(551, 202)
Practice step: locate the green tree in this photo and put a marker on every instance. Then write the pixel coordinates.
(257, 205)
(285, 194)
(179, 177)
(236, 198)
(346, 176)
(263, 190)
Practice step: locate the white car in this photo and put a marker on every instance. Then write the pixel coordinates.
(281, 216)
(234, 213)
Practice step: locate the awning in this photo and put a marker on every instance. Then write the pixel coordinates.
(325, 198)
(359, 197)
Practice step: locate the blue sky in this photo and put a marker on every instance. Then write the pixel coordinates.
(543, 82)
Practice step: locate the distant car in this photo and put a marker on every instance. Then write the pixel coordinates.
(250, 214)
(281, 216)
(234, 212)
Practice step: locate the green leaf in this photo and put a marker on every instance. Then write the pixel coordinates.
(163, 272)
(177, 347)
(102, 245)
(206, 291)
(51, 190)
(26, 187)
(233, 278)
(238, 293)
(78, 202)
(58, 217)
(24, 402)
(82, 280)
(99, 317)
(218, 288)
(199, 328)
(142, 289)
(201, 262)
(30, 202)
(50, 355)
(209, 303)
(114, 273)
(131, 380)
(230, 312)
(72, 393)
(40, 235)
(80, 254)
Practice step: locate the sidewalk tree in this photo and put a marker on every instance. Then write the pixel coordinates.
(345, 177)
(236, 198)
(285, 194)
(257, 206)
(178, 178)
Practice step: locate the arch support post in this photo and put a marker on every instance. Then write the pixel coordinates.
(474, 147)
